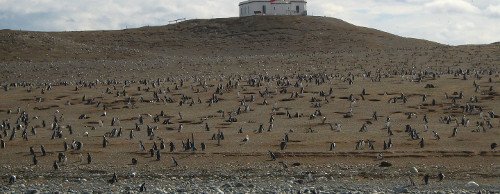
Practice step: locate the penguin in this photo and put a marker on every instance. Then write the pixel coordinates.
(55, 165)
(273, 157)
(42, 148)
(142, 188)
(282, 145)
(370, 144)
(141, 146)
(261, 128)
(174, 161)
(13, 135)
(119, 132)
(441, 176)
(426, 179)
(455, 132)
(207, 128)
(180, 128)
(32, 151)
(12, 179)
(172, 146)
(162, 144)
(246, 139)
(60, 156)
(493, 146)
(155, 147)
(134, 161)
(114, 179)
(65, 146)
(104, 141)
(78, 145)
(436, 135)
(221, 135)
(158, 155)
(35, 161)
(33, 131)
(2, 144)
(89, 158)
(421, 143)
(332, 146)
(152, 152)
(203, 146)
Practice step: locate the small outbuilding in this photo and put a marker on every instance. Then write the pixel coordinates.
(273, 7)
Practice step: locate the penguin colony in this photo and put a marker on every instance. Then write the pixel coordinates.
(276, 115)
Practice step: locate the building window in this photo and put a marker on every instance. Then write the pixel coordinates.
(297, 9)
(264, 9)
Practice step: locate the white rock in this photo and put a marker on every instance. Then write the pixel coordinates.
(322, 178)
(472, 184)
(414, 170)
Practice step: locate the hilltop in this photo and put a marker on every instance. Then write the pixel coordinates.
(225, 36)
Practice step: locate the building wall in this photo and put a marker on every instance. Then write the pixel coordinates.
(279, 7)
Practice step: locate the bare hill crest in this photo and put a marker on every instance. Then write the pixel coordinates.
(224, 36)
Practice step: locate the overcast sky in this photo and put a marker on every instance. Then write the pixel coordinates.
(446, 21)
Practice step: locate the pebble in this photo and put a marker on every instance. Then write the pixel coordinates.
(385, 164)
(33, 191)
(322, 178)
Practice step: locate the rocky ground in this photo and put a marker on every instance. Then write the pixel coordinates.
(267, 177)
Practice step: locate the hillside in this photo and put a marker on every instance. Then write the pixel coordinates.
(271, 44)
(226, 36)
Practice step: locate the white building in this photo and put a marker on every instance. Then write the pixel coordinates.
(273, 7)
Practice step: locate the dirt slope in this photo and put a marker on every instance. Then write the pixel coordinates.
(226, 36)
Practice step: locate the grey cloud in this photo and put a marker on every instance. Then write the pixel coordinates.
(451, 6)
(493, 10)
